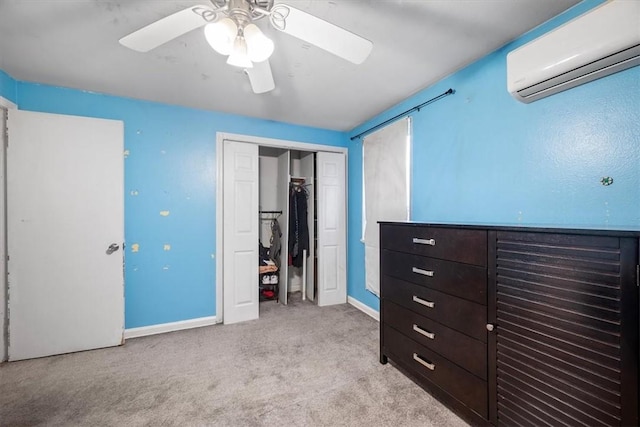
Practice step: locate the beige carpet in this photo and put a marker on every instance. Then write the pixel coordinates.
(298, 365)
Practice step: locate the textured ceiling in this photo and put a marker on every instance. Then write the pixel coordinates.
(74, 43)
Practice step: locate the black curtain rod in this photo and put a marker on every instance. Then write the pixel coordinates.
(404, 113)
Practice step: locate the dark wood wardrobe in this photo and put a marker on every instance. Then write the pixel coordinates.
(514, 326)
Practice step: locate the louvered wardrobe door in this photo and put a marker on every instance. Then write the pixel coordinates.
(566, 336)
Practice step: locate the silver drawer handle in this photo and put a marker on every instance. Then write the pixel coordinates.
(424, 302)
(423, 272)
(424, 363)
(421, 331)
(431, 242)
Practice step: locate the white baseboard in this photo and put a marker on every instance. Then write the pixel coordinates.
(169, 327)
(364, 308)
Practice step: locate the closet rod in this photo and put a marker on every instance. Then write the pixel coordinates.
(270, 212)
(404, 113)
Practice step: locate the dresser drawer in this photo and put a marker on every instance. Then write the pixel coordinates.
(461, 245)
(459, 348)
(463, 280)
(464, 316)
(467, 388)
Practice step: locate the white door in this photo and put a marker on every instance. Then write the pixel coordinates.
(240, 233)
(306, 170)
(65, 208)
(284, 161)
(332, 231)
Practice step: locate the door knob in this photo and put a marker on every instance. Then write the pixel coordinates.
(112, 248)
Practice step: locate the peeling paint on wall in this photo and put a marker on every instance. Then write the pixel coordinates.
(164, 213)
(166, 247)
(126, 153)
(181, 181)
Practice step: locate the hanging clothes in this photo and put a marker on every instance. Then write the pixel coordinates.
(274, 242)
(298, 225)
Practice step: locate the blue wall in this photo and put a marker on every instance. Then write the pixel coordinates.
(480, 156)
(8, 87)
(170, 166)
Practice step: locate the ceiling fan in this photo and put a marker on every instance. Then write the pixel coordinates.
(230, 30)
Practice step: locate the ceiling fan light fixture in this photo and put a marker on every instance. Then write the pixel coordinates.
(239, 57)
(221, 35)
(259, 46)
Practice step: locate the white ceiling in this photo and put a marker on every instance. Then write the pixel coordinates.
(74, 43)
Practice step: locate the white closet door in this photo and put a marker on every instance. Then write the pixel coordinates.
(306, 170)
(332, 244)
(240, 239)
(65, 201)
(283, 201)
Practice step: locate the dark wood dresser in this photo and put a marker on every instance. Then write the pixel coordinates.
(514, 326)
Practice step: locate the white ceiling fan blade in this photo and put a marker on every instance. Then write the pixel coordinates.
(261, 77)
(166, 29)
(321, 33)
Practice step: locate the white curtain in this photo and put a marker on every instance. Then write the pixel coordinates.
(386, 163)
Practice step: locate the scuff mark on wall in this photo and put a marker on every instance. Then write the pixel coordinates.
(135, 247)
(164, 213)
(134, 192)
(126, 153)
(166, 247)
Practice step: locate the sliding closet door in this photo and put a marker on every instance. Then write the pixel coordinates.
(240, 239)
(332, 230)
(283, 201)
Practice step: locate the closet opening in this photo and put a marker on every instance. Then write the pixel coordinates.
(281, 227)
(287, 225)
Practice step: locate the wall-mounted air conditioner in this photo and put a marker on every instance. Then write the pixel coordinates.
(600, 42)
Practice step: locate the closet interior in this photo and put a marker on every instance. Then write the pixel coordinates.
(288, 224)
